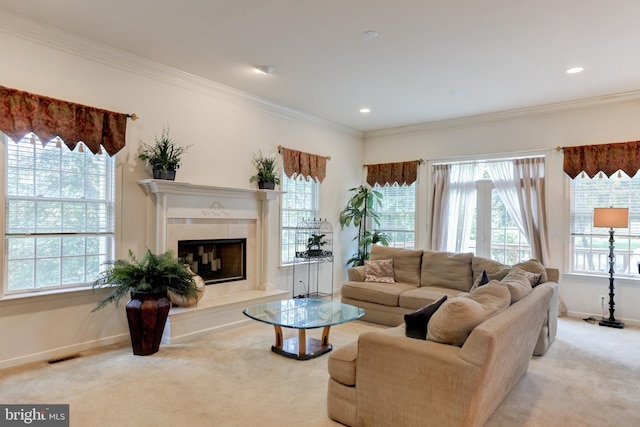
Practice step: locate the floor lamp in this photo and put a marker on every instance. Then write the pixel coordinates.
(612, 218)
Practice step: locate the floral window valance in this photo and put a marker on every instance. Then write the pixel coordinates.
(48, 118)
(304, 164)
(404, 173)
(606, 158)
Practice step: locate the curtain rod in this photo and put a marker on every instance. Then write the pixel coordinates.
(280, 148)
(420, 162)
(133, 117)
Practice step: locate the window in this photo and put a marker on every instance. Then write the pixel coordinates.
(495, 235)
(301, 201)
(398, 214)
(59, 215)
(589, 245)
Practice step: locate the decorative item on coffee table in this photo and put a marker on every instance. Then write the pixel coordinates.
(164, 157)
(148, 279)
(267, 171)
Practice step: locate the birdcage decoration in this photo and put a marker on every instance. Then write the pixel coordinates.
(314, 239)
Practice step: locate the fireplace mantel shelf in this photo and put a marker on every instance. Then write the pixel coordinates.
(160, 186)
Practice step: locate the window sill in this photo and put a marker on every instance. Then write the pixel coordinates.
(45, 296)
(599, 277)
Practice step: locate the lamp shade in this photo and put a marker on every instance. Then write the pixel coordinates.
(611, 217)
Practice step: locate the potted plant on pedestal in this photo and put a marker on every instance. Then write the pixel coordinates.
(267, 174)
(148, 279)
(164, 157)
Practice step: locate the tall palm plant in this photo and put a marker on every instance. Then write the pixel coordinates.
(360, 211)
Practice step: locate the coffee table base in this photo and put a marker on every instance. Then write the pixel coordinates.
(301, 347)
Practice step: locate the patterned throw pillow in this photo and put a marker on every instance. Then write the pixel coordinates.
(380, 270)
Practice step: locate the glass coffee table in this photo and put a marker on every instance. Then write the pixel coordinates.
(303, 314)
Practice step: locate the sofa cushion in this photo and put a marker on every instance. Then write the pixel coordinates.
(375, 292)
(406, 262)
(455, 319)
(495, 270)
(342, 364)
(447, 269)
(416, 322)
(519, 283)
(417, 298)
(534, 266)
(380, 270)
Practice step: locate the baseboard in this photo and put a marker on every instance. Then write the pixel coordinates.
(62, 352)
(581, 315)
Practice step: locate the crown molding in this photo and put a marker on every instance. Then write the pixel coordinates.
(481, 119)
(20, 27)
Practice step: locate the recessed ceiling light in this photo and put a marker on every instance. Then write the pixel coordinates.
(575, 70)
(370, 34)
(365, 110)
(263, 69)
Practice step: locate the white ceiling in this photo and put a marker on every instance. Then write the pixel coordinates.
(504, 54)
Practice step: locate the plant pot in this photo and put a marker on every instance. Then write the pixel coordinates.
(147, 314)
(266, 185)
(168, 175)
(314, 253)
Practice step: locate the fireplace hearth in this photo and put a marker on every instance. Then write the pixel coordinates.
(215, 260)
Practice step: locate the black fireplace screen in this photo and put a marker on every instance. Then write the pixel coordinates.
(215, 260)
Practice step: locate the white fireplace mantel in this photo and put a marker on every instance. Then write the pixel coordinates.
(188, 201)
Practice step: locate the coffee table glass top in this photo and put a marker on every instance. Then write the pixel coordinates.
(304, 313)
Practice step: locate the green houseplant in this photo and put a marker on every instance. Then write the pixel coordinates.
(148, 279)
(315, 242)
(361, 211)
(164, 157)
(267, 173)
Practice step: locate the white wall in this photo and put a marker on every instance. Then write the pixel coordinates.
(516, 133)
(224, 127)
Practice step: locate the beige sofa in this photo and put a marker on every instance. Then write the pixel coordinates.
(388, 379)
(422, 277)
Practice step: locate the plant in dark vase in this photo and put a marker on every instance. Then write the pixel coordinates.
(148, 280)
(361, 212)
(164, 157)
(315, 244)
(266, 171)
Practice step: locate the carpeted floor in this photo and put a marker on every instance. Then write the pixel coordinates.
(589, 377)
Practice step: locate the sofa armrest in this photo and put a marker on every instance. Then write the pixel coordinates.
(406, 381)
(356, 274)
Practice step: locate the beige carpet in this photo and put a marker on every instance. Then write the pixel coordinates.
(589, 377)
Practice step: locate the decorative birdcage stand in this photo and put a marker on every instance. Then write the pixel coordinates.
(313, 261)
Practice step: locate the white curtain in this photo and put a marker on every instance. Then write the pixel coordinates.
(454, 199)
(520, 185)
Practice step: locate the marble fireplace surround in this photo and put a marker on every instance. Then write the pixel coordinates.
(184, 211)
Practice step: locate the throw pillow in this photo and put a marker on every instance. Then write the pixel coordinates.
(520, 283)
(482, 279)
(534, 266)
(416, 322)
(458, 316)
(379, 271)
(406, 262)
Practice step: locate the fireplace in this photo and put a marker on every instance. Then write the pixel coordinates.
(216, 260)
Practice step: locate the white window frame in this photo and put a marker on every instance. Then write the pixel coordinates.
(626, 257)
(110, 241)
(310, 211)
(386, 189)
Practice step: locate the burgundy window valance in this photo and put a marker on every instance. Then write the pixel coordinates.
(23, 112)
(404, 173)
(606, 158)
(304, 164)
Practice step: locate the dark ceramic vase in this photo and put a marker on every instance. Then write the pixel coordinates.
(266, 185)
(168, 175)
(147, 314)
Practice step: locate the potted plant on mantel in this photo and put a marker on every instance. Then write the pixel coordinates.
(267, 174)
(164, 157)
(148, 279)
